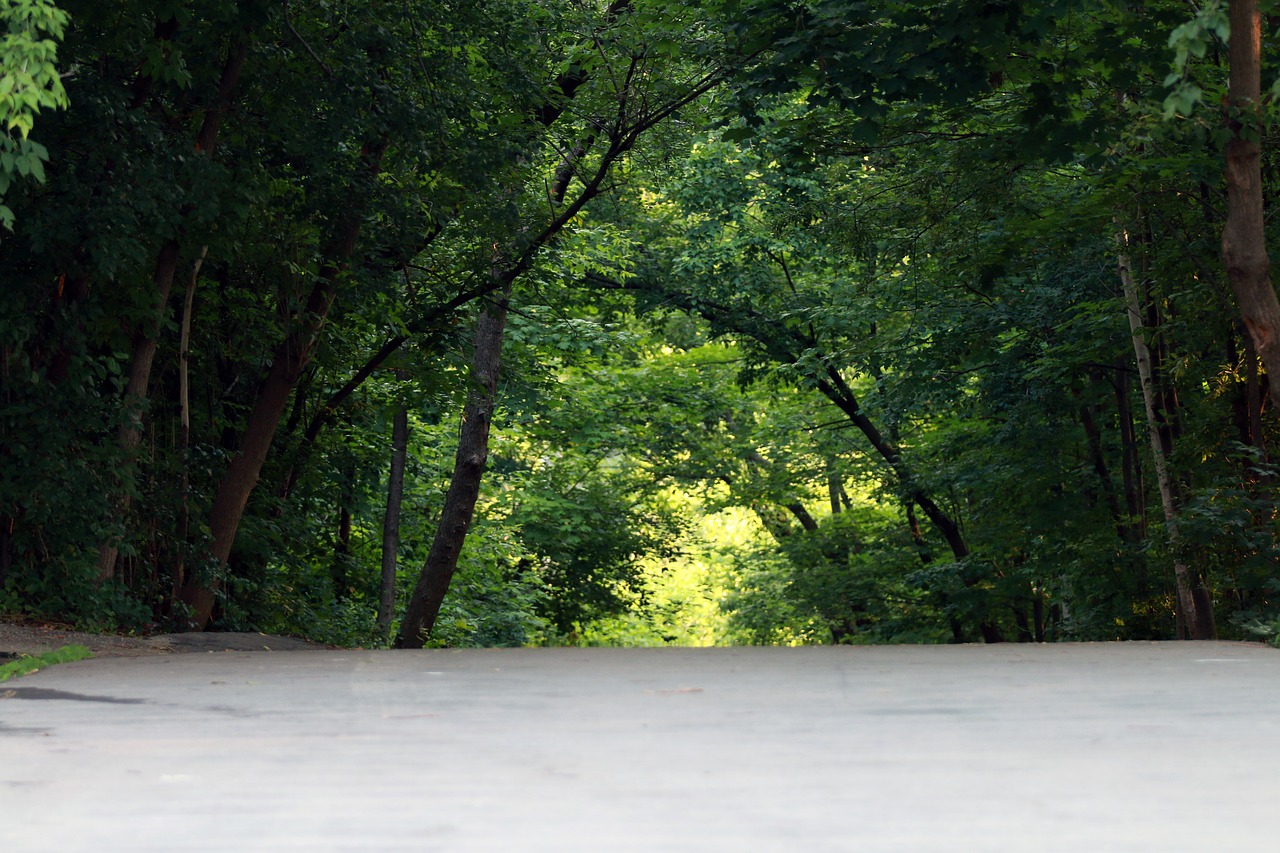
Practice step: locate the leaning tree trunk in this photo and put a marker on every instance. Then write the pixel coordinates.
(839, 392)
(291, 358)
(1244, 248)
(1198, 618)
(237, 484)
(464, 488)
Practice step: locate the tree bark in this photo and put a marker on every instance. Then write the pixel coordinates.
(1200, 624)
(834, 486)
(184, 409)
(391, 521)
(1093, 440)
(145, 341)
(135, 394)
(802, 515)
(291, 357)
(1253, 394)
(1131, 466)
(1246, 400)
(917, 534)
(1244, 249)
(839, 392)
(342, 544)
(464, 487)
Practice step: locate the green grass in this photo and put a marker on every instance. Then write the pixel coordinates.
(33, 663)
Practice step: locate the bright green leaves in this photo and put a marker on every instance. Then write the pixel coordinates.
(29, 82)
(1191, 40)
(1195, 36)
(29, 78)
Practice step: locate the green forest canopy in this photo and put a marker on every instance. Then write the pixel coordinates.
(818, 321)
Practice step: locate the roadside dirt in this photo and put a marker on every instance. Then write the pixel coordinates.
(33, 638)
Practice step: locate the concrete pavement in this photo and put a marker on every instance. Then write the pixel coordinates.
(1092, 747)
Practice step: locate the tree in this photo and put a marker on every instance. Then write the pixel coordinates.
(391, 523)
(637, 99)
(1195, 609)
(832, 286)
(1244, 242)
(464, 486)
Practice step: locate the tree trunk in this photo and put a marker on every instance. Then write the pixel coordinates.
(135, 394)
(144, 346)
(839, 392)
(342, 549)
(835, 486)
(184, 409)
(1131, 465)
(1199, 623)
(291, 358)
(1093, 440)
(802, 515)
(1244, 249)
(917, 534)
(1025, 632)
(391, 522)
(464, 487)
(1168, 407)
(1247, 402)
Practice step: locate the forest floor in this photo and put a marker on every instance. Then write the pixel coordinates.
(20, 637)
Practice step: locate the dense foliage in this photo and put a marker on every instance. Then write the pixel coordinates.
(819, 321)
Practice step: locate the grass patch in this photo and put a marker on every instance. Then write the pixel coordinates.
(33, 663)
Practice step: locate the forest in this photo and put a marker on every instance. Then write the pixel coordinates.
(642, 322)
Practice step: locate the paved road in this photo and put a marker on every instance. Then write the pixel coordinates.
(1130, 747)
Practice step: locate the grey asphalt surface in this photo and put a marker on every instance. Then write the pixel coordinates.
(1092, 747)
